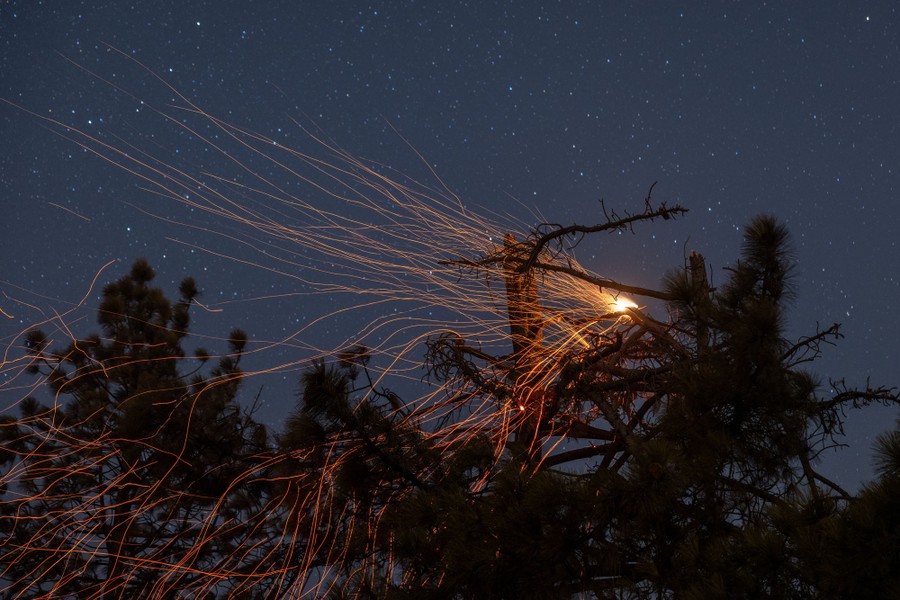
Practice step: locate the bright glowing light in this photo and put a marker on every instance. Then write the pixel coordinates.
(622, 304)
(531, 329)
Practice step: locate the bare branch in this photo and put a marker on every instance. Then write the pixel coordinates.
(612, 224)
(808, 348)
(603, 282)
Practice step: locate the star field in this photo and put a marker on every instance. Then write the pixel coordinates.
(535, 109)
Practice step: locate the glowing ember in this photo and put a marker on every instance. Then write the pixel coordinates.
(622, 304)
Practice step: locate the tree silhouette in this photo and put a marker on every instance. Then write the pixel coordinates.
(851, 551)
(658, 459)
(600, 453)
(593, 448)
(111, 486)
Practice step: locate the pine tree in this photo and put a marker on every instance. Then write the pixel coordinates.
(112, 486)
(851, 551)
(691, 465)
(604, 454)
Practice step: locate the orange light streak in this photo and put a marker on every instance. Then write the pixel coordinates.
(428, 273)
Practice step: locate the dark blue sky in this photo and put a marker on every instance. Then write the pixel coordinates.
(735, 108)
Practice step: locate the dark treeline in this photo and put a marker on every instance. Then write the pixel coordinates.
(654, 460)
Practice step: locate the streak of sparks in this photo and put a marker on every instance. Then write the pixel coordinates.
(427, 266)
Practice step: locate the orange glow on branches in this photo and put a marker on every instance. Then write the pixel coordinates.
(512, 327)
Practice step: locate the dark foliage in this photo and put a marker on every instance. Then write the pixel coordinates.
(111, 484)
(651, 459)
(697, 480)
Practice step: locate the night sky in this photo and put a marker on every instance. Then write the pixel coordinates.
(535, 109)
